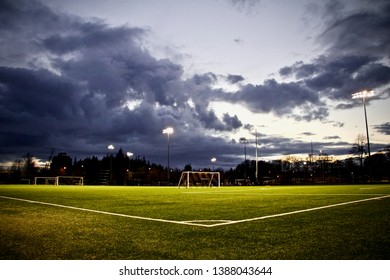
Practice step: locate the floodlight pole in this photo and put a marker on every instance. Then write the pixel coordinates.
(168, 131)
(244, 141)
(129, 155)
(111, 147)
(257, 164)
(363, 95)
(368, 137)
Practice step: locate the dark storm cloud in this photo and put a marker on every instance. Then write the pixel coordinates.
(331, 137)
(209, 119)
(363, 31)
(232, 122)
(358, 46)
(90, 36)
(282, 99)
(78, 85)
(383, 128)
(286, 146)
(308, 133)
(339, 77)
(234, 79)
(38, 92)
(36, 106)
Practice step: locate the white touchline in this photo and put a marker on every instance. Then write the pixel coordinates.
(197, 222)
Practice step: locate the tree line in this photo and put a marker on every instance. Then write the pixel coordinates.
(120, 169)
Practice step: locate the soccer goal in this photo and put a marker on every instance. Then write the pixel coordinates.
(45, 181)
(199, 178)
(69, 180)
(59, 180)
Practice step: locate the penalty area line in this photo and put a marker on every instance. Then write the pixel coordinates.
(198, 223)
(299, 211)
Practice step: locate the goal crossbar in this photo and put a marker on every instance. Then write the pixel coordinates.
(186, 177)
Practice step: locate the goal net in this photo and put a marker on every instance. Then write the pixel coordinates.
(59, 180)
(70, 180)
(45, 181)
(199, 178)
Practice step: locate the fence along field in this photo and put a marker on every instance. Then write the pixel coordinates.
(307, 222)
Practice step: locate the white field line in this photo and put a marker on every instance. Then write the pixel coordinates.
(199, 222)
(371, 188)
(300, 211)
(288, 194)
(99, 212)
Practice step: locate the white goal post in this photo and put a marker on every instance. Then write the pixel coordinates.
(199, 178)
(59, 180)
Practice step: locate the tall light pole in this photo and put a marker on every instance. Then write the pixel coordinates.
(168, 131)
(129, 174)
(244, 141)
(129, 155)
(111, 148)
(257, 164)
(363, 95)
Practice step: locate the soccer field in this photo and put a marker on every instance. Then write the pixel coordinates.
(157, 223)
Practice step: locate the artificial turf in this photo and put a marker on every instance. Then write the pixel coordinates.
(32, 230)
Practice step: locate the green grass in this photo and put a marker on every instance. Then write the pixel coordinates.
(38, 231)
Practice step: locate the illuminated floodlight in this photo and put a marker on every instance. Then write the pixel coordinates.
(168, 130)
(213, 161)
(111, 147)
(363, 94)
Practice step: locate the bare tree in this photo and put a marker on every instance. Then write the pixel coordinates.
(290, 162)
(359, 148)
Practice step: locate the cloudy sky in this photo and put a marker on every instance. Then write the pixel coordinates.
(78, 75)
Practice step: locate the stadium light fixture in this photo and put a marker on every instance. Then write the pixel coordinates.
(111, 147)
(168, 131)
(213, 161)
(364, 95)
